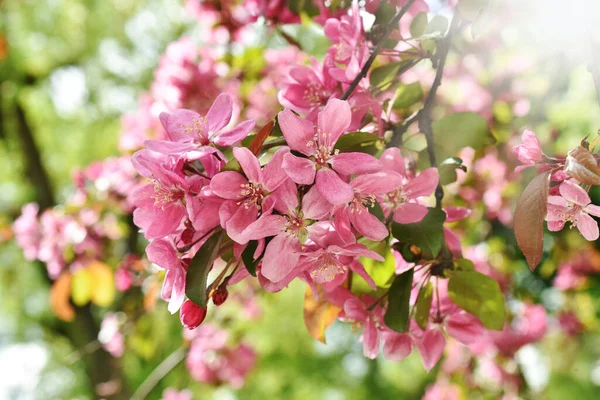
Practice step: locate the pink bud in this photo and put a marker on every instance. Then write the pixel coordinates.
(220, 295)
(191, 314)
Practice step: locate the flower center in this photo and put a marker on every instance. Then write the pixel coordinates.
(328, 268)
(163, 195)
(254, 194)
(196, 129)
(395, 198)
(314, 94)
(361, 202)
(324, 151)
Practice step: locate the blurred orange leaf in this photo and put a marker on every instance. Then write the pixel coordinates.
(103, 291)
(318, 314)
(59, 298)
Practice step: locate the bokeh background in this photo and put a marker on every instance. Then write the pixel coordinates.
(69, 70)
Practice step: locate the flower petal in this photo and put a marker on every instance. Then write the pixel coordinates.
(424, 184)
(334, 120)
(281, 257)
(368, 225)
(587, 226)
(300, 170)
(397, 346)
(355, 163)
(219, 114)
(333, 188)
(228, 185)
(431, 346)
(298, 132)
(574, 193)
(249, 163)
(265, 226)
(392, 160)
(236, 134)
(409, 213)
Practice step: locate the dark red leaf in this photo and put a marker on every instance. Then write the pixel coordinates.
(583, 166)
(529, 219)
(260, 137)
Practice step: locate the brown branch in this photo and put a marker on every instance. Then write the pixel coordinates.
(388, 30)
(36, 171)
(425, 122)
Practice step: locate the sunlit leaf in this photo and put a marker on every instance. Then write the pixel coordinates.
(479, 295)
(103, 291)
(456, 131)
(318, 314)
(428, 235)
(424, 305)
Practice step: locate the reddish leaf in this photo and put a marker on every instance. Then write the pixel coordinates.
(583, 166)
(260, 137)
(318, 314)
(60, 294)
(529, 219)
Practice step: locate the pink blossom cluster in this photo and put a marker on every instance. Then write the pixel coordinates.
(211, 359)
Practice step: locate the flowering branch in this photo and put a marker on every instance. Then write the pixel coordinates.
(425, 123)
(388, 30)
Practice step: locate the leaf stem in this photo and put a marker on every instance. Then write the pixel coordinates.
(159, 373)
(388, 30)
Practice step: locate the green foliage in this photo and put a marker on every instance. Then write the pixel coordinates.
(397, 315)
(428, 235)
(447, 169)
(459, 130)
(248, 257)
(407, 95)
(197, 273)
(424, 305)
(477, 294)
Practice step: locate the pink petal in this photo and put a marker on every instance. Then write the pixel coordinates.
(219, 114)
(409, 213)
(167, 147)
(465, 328)
(333, 188)
(162, 253)
(273, 173)
(392, 160)
(431, 346)
(555, 226)
(343, 226)
(454, 214)
(178, 123)
(424, 184)
(334, 120)
(358, 268)
(297, 132)
(574, 193)
(158, 222)
(355, 310)
(587, 226)
(592, 209)
(286, 197)
(368, 224)
(228, 185)
(314, 205)
(236, 134)
(239, 221)
(370, 339)
(265, 226)
(249, 163)
(397, 346)
(300, 170)
(377, 183)
(281, 257)
(355, 163)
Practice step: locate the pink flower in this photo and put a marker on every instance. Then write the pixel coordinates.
(346, 33)
(162, 253)
(529, 152)
(356, 311)
(27, 231)
(366, 190)
(173, 394)
(403, 202)
(189, 133)
(247, 196)
(573, 205)
(442, 391)
(323, 165)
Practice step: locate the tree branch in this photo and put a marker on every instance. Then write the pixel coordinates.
(425, 122)
(388, 30)
(159, 373)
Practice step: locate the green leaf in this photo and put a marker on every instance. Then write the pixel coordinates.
(447, 170)
(377, 211)
(197, 273)
(418, 24)
(385, 74)
(380, 271)
(428, 235)
(232, 165)
(456, 131)
(424, 305)
(397, 315)
(470, 9)
(407, 95)
(248, 257)
(479, 295)
(438, 24)
(355, 139)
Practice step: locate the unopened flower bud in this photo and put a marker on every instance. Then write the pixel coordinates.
(191, 314)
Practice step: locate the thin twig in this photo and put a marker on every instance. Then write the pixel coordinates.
(425, 123)
(388, 30)
(159, 373)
